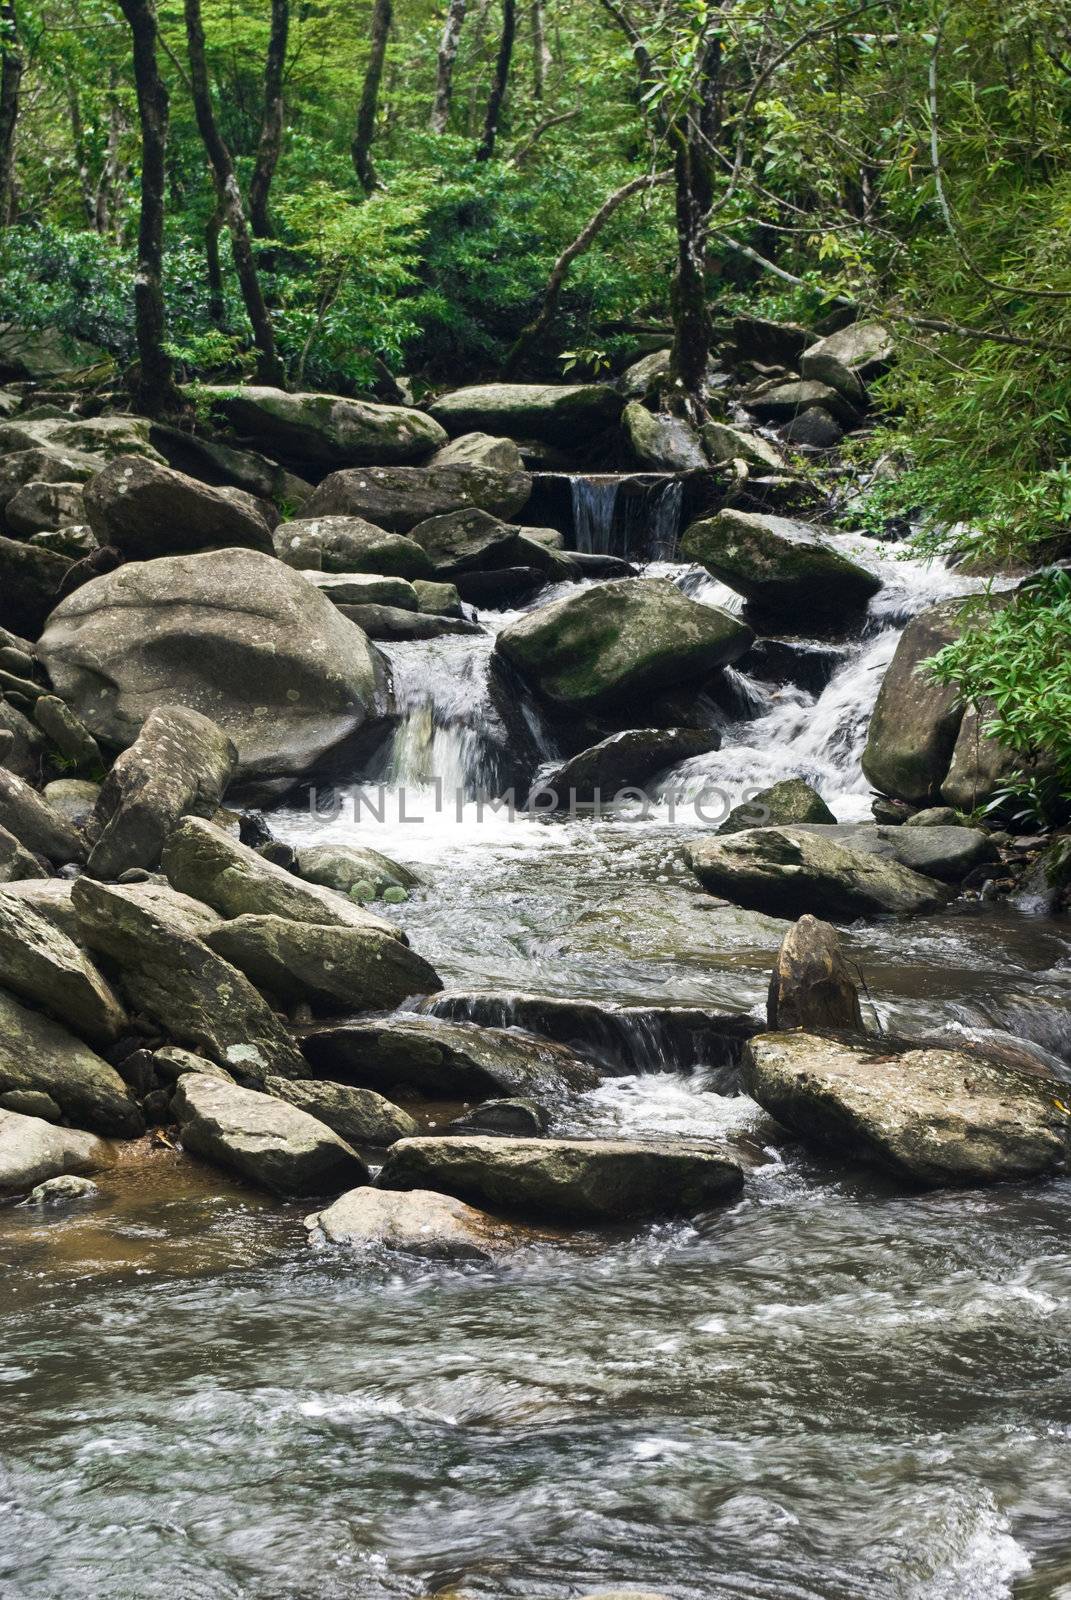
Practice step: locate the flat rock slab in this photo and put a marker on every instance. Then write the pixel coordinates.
(339, 969)
(33, 1151)
(557, 413)
(416, 1223)
(571, 1180)
(626, 760)
(398, 498)
(945, 852)
(360, 1116)
(936, 1117)
(273, 1144)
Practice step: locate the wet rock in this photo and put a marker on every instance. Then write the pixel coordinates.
(502, 588)
(170, 1062)
(37, 1054)
(662, 443)
(144, 511)
(479, 450)
(366, 588)
(154, 938)
(813, 427)
(791, 871)
(360, 1116)
(572, 1180)
(387, 622)
(863, 349)
(179, 764)
(349, 545)
(437, 599)
(27, 815)
(201, 860)
(417, 1223)
(274, 1145)
(32, 1103)
(785, 401)
(790, 801)
(934, 1117)
(399, 498)
(62, 1192)
(333, 968)
(16, 862)
(463, 541)
(29, 584)
(812, 986)
(980, 765)
(446, 1059)
(780, 565)
(725, 444)
(554, 413)
(40, 964)
(510, 1118)
(32, 1152)
(232, 634)
(68, 733)
(325, 430)
(610, 643)
(44, 508)
(626, 760)
(948, 853)
(341, 866)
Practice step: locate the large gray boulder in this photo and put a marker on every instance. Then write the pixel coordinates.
(43, 353)
(448, 1060)
(389, 622)
(30, 578)
(145, 510)
(625, 761)
(203, 861)
(34, 823)
(915, 721)
(602, 647)
(790, 871)
(790, 801)
(154, 938)
(271, 1143)
(934, 1117)
(50, 897)
(414, 1223)
(784, 401)
(780, 565)
(43, 464)
(945, 851)
(326, 430)
(811, 985)
(565, 414)
(360, 1116)
(40, 964)
(479, 450)
(44, 508)
(180, 763)
(398, 498)
(38, 1055)
(863, 349)
(465, 541)
(570, 1180)
(366, 589)
(344, 866)
(233, 634)
(16, 862)
(725, 444)
(349, 544)
(333, 968)
(980, 764)
(33, 1151)
(662, 443)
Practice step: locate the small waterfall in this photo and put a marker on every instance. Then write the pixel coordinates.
(664, 521)
(448, 730)
(634, 518)
(594, 504)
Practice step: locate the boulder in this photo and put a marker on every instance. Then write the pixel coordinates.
(398, 498)
(565, 414)
(360, 1116)
(607, 644)
(16, 862)
(366, 588)
(662, 443)
(333, 968)
(646, 376)
(326, 430)
(479, 450)
(62, 1192)
(171, 1061)
(980, 765)
(501, 588)
(437, 599)
(33, 1151)
(945, 852)
(37, 1054)
(26, 747)
(44, 507)
(144, 511)
(934, 1117)
(569, 1180)
(155, 939)
(813, 428)
(214, 462)
(784, 401)
(274, 1145)
(388, 622)
(791, 800)
(780, 565)
(109, 437)
(447, 1060)
(203, 861)
(233, 634)
(343, 866)
(31, 1103)
(73, 798)
(508, 1118)
(68, 733)
(40, 964)
(30, 578)
(416, 1223)
(863, 349)
(42, 464)
(349, 545)
(179, 764)
(725, 444)
(625, 760)
(915, 721)
(73, 542)
(43, 353)
(35, 825)
(777, 344)
(463, 541)
(788, 872)
(51, 897)
(811, 986)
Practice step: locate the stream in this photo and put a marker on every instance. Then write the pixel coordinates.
(832, 1390)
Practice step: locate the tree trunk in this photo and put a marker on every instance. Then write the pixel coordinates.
(692, 134)
(271, 127)
(216, 304)
(541, 57)
(499, 81)
(361, 148)
(156, 391)
(11, 65)
(444, 82)
(112, 167)
(269, 367)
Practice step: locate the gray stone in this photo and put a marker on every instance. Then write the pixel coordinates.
(812, 427)
(42, 464)
(780, 565)
(510, 1118)
(416, 1223)
(68, 733)
(784, 401)
(437, 599)
(62, 1192)
(44, 353)
(360, 1116)
(171, 1061)
(625, 760)
(365, 588)
(779, 344)
(388, 622)
(553, 413)
(947, 853)
(343, 544)
(16, 862)
(29, 583)
(51, 897)
(479, 450)
(398, 498)
(33, 822)
(31, 1103)
(145, 511)
(811, 985)
(863, 348)
(915, 721)
(44, 508)
(73, 798)
(37, 1054)
(33, 1151)
(326, 430)
(725, 444)
(662, 443)
(27, 747)
(464, 541)
(791, 800)
(980, 765)
(341, 866)
(333, 968)
(41, 964)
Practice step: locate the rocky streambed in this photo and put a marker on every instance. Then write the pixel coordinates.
(520, 1071)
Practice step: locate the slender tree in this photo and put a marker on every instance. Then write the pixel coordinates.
(541, 58)
(269, 366)
(364, 133)
(271, 127)
(692, 132)
(11, 66)
(499, 81)
(156, 390)
(444, 79)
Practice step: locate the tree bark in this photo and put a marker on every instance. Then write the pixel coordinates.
(269, 366)
(216, 304)
(499, 82)
(11, 65)
(444, 81)
(361, 148)
(156, 391)
(271, 127)
(540, 54)
(692, 134)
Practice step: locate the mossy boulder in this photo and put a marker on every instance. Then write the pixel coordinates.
(562, 413)
(779, 565)
(348, 545)
(398, 498)
(915, 721)
(792, 800)
(325, 430)
(662, 443)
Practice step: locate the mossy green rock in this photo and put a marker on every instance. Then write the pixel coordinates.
(326, 429)
(915, 722)
(398, 498)
(347, 545)
(597, 648)
(793, 800)
(779, 564)
(557, 413)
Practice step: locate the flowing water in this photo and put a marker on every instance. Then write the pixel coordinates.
(830, 1391)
